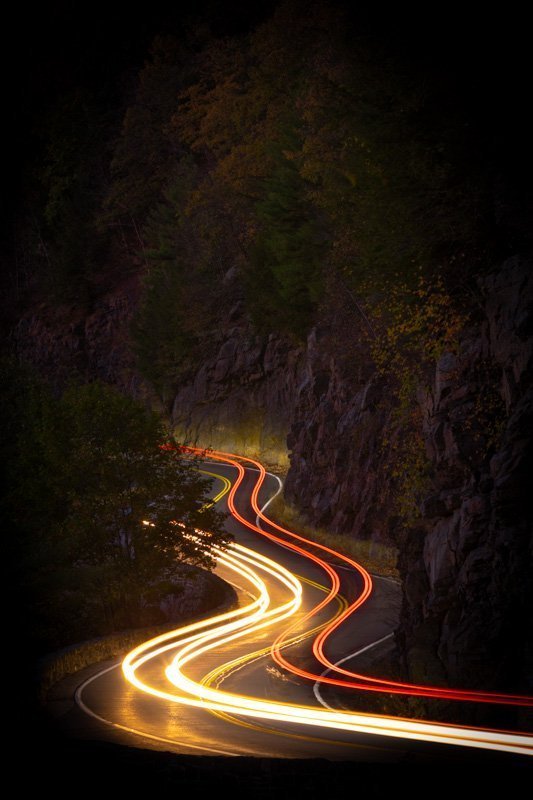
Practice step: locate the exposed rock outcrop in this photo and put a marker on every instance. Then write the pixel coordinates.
(65, 342)
(336, 445)
(466, 566)
(467, 570)
(241, 400)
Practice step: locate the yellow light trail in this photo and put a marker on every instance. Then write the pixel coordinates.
(225, 487)
(192, 641)
(221, 673)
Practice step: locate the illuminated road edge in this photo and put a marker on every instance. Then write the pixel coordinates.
(192, 641)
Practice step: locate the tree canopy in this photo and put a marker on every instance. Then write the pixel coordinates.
(105, 518)
(301, 169)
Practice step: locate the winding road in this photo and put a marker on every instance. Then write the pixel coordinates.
(268, 678)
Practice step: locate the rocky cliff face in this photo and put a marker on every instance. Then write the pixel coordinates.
(241, 400)
(467, 569)
(67, 341)
(466, 565)
(335, 439)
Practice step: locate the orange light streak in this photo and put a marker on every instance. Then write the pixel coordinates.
(195, 639)
(363, 682)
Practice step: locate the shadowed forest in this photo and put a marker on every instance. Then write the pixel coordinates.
(273, 162)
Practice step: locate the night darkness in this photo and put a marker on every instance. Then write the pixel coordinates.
(476, 64)
(474, 159)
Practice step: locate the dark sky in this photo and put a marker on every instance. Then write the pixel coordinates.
(63, 41)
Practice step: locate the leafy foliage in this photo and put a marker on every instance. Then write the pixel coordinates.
(113, 516)
(413, 327)
(271, 170)
(143, 152)
(284, 276)
(161, 343)
(292, 152)
(73, 183)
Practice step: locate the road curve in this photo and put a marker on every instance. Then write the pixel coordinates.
(216, 686)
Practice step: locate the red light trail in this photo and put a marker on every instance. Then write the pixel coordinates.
(361, 682)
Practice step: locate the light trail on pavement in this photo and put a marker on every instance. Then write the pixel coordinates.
(265, 577)
(363, 682)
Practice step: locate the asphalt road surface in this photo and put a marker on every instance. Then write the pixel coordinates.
(111, 708)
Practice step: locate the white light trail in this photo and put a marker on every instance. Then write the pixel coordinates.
(196, 639)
